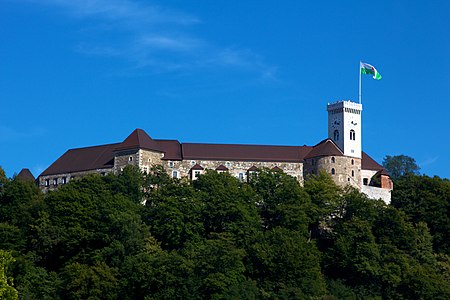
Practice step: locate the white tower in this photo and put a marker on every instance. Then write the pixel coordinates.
(344, 126)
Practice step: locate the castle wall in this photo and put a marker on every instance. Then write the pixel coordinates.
(343, 170)
(377, 193)
(236, 168)
(47, 183)
(144, 159)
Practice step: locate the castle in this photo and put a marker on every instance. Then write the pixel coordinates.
(340, 155)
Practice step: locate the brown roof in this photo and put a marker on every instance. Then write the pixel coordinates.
(83, 159)
(325, 148)
(101, 157)
(252, 169)
(368, 163)
(25, 175)
(171, 149)
(244, 152)
(197, 167)
(138, 139)
(221, 168)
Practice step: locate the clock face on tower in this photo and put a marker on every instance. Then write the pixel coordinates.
(336, 123)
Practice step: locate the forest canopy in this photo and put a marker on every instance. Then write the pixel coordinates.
(148, 236)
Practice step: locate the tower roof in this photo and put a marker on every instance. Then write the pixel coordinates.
(138, 139)
(25, 175)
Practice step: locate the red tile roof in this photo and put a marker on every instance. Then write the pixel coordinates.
(138, 139)
(235, 152)
(368, 163)
(197, 167)
(83, 159)
(102, 157)
(25, 175)
(171, 149)
(325, 148)
(221, 168)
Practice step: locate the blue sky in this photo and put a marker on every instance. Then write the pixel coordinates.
(82, 73)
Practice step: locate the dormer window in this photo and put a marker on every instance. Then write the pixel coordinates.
(336, 135)
(352, 135)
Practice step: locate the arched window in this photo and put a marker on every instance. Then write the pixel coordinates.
(333, 160)
(352, 135)
(353, 173)
(333, 171)
(353, 162)
(336, 135)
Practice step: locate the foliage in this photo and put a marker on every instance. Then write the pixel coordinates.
(219, 238)
(400, 165)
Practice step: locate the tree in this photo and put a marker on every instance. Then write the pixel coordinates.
(7, 291)
(400, 165)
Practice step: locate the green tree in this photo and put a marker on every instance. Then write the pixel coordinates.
(7, 290)
(282, 201)
(400, 165)
(426, 199)
(284, 262)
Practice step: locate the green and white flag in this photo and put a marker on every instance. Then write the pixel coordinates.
(369, 69)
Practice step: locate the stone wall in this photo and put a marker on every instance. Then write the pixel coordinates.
(238, 169)
(377, 193)
(64, 178)
(344, 170)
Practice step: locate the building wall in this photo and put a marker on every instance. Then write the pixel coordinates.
(347, 170)
(60, 178)
(377, 193)
(345, 116)
(235, 168)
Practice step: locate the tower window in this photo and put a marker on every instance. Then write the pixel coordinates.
(336, 135)
(353, 162)
(333, 171)
(353, 173)
(352, 135)
(333, 160)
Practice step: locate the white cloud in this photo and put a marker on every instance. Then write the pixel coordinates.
(148, 35)
(429, 161)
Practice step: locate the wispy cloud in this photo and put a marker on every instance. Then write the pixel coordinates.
(9, 134)
(148, 35)
(429, 161)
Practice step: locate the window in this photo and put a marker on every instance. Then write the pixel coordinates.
(353, 173)
(47, 182)
(353, 162)
(192, 162)
(170, 164)
(366, 181)
(196, 173)
(130, 158)
(228, 164)
(336, 135)
(333, 171)
(174, 174)
(241, 176)
(333, 160)
(55, 181)
(352, 135)
(64, 180)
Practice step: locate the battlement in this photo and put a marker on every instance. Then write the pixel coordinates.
(340, 105)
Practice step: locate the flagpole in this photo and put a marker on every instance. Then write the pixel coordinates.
(359, 82)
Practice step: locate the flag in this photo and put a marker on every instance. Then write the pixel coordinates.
(369, 69)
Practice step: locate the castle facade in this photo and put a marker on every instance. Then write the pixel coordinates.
(340, 155)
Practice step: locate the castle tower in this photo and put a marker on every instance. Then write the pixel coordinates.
(344, 126)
